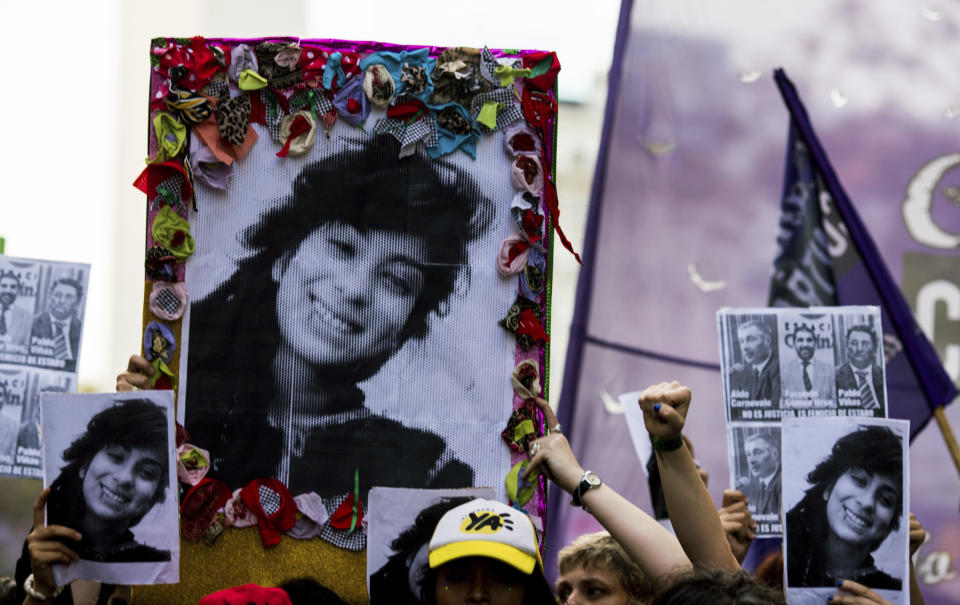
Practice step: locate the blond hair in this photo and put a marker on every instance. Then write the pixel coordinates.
(600, 551)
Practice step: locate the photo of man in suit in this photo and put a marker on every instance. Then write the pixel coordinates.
(861, 377)
(762, 487)
(758, 375)
(14, 321)
(59, 322)
(806, 377)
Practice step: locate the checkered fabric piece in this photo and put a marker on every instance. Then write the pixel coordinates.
(301, 99)
(423, 130)
(274, 115)
(269, 499)
(488, 63)
(218, 88)
(342, 538)
(508, 113)
(171, 184)
(168, 301)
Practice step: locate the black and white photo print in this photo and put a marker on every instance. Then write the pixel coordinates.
(109, 465)
(846, 503)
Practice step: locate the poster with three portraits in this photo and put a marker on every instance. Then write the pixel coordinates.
(810, 445)
(348, 292)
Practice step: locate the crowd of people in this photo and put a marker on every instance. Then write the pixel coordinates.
(444, 560)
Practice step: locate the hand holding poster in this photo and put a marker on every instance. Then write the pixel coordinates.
(845, 490)
(108, 462)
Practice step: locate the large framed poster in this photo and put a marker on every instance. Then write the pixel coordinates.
(348, 254)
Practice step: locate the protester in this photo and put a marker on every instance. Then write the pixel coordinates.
(654, 549)
(484, 551)
(595, 569)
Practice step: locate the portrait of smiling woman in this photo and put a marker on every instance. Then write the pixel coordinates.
(116, 471)
(339, 275)
(853, 503)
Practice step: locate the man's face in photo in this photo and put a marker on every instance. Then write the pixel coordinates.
(63, 301)
(805, 344)
(860, 349)
(754, 343)
(762, 458)
(9, 288)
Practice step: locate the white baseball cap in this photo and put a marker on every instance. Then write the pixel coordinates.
(486, 528)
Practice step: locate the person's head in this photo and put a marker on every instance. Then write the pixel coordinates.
(121, 462)
(763, 453)
(307, 591)
(860, 486)
(861, 346)
(485, 551)
(804, 342)
(756, 341)
(365, 248)
(718, 587)
(65, 295)
(595, 569)
(9, 288)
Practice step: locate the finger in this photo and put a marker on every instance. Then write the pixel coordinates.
(859, 590)
(54, 552)
(38, 508)
(669, 416)
(549, 418)
(735, 517)
(52, 532)
(129, 381)
(534, 464)
(731, 497)
(139, 364)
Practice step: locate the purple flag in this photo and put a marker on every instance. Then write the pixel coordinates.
(827, 257)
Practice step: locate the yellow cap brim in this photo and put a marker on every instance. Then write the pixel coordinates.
(481, 548)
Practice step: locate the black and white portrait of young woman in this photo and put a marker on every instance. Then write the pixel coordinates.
(343, 320)
(109, 464)
(846, 503)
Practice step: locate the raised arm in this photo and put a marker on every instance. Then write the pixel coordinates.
(655, 550)
(692, 512)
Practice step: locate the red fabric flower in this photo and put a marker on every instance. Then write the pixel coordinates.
(271, 492)
(342, 518)
(530, 326)
(200, 505)
(545, 68)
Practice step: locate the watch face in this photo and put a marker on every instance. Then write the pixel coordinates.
(592, 479)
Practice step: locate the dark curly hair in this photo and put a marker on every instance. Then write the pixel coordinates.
(875, 449)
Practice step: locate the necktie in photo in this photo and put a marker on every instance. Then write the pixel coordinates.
(867, 400)
(807, 383)
(3, 320)
(59, 340)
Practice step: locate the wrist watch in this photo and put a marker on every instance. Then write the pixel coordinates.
(589, 481)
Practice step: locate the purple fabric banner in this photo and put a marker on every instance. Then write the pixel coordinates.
(686, 206)
(916, 380)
